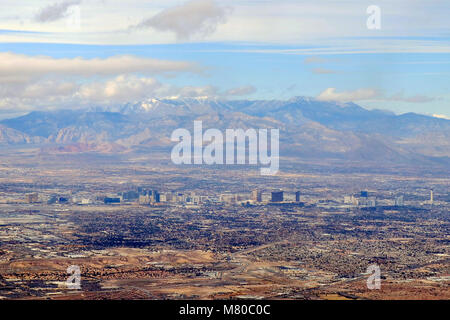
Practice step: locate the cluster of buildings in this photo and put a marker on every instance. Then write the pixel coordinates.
(258, 196)
(145, 196)
(154, 197)
(141, 195)
(364, 200)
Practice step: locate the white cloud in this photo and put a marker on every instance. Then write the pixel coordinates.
(12, 64)
(330, 94)
(192, 91)
(414, 99)
(364, 94)
(441, 116)
(56, 93)
(55, 11)
(241, 91)
(121, 89)
(322, 71)
(196, 17)
(48, 88)
(306, 23)
(315, 60)
(41, 82)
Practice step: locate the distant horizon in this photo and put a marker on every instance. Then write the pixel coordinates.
(57, 54)
(6, 116)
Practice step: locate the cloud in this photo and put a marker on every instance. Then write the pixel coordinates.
(314, 59)
(441, 116)
(330, 94)
(414, 99)
(55, 11)
(119, 90)
(43, 94)
(327, 26)
(36, 89)
(191, 91)
(196, 17)
(18, 67)
(241, 91)
(323, 71)
(128, 88)
(41, 82)
(49, 88)
(209, 91)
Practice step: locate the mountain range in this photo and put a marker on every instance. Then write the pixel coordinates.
(309, 128)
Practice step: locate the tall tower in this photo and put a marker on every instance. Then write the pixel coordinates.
(297, 196)
(431, 197)
(256, 195)
(277, 196)
(155, 196)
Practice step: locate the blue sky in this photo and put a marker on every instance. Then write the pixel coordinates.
(70, 54)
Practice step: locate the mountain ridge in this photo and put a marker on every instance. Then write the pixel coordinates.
(308, 127)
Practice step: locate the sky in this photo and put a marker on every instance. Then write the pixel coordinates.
(67, 54)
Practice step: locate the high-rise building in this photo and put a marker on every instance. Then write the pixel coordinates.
(431, 196)
(277, 196)
(108, 200)
(228, 198)
(144, 199)
(367, 202)
(256, 195)
(297, 196)
(63, 200)
(399, 201)
(129, 195)
(351, 200)
(53, 199)
(85, 201)
(155, 196)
